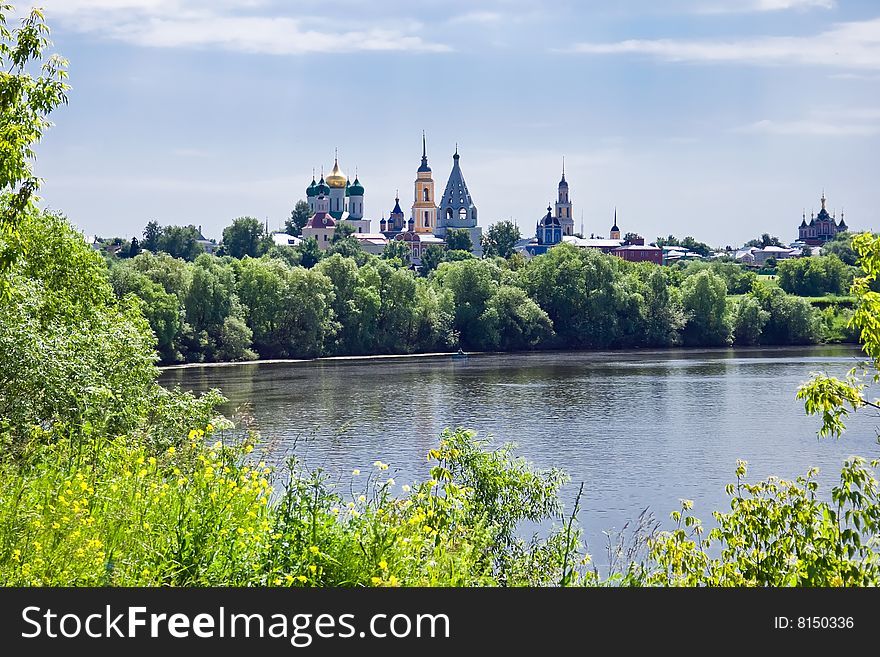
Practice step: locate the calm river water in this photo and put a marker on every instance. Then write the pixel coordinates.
(640, 429)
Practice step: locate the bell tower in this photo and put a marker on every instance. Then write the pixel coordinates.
(424, 212)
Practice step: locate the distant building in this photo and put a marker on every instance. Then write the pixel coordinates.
(601, 244)
(209, 246)
(320, 225)
(418, 233)
(456, 209)
(283, 239)
(822, 227)
(640, 253)
(343, 200)
(547, 234)
(761, 256)
(372, 242)
(563, 205)
(396, 221)
(615, 231)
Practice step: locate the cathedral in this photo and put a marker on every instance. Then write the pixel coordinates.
(822, 227)
(333, 200)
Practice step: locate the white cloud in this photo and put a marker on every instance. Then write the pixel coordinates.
(741, 7)
(822, 122)
(854, 45)
(809, 128)
(229, 25)
(477, 17)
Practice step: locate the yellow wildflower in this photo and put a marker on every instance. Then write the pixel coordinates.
(314, 549)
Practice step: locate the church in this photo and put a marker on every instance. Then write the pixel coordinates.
(822, 227)
(457, 209)
(429, 223)
(331, 201)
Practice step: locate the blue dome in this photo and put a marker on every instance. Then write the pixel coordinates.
(356, 188)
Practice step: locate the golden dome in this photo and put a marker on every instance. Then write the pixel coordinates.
(336, 177)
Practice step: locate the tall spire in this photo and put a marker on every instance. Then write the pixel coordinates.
(424, 167)
(563, 168)
(823, 199)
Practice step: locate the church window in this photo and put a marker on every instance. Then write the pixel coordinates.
(427, 222)
(426, 194)
(462, 214)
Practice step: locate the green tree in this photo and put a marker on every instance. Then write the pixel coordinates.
(472, 283)
(749, 320)
(514, 322)
(397, 250)
(180, 242)
(812, 277)
(698, 247)
(459, 239)
(354, 306)
(299, 217)
(396, 323)
(25, 103)
(671, 240)
(583, 292)
(704, 298)
(343, 231)
(346, 244)
(664, 316)
(152, 233)
(431, 259)
(792, 320)
(500, 239)
(309, 252)
(842, 247)
(71, 355)
(457, 255)
(765, 240)
(737, 277)
(161, 309)
(289, 310)
(245, 237)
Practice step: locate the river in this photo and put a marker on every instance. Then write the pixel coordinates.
(641, 429)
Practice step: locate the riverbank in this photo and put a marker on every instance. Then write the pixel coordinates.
(449, 354)
(272, 361)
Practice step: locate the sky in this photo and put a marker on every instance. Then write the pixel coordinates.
(719, 119)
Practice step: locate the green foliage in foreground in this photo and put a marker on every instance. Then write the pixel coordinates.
(115, 512)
